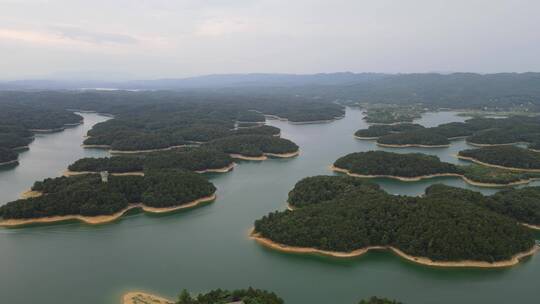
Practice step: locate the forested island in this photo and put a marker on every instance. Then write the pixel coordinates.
(506, 157)
(19, 122)
(90, 199)
(417, 166)
(478, 131)
(255, 146)
(392, 114)
(192, 159)
(221, 296)
(437, 230)
(412, 166)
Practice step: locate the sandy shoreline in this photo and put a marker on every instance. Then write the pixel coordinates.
(474, 160)
(30, 193)
(103, 219)
(275, 117)
(418, 178)
(366, 138)
(68, 173)
(139, 297)
(218, 170)
(536, 227)
(419, 260)
(412, 146)
(265, 155)
(495, 145)
(9, 162)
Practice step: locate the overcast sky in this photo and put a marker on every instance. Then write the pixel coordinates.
(134, 39)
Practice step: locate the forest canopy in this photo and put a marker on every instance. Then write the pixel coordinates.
(441, 228)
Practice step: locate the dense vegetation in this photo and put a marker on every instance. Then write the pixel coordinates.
(392, 114)
(394, 164)
(491, 175)
(253, 145)
(87, 195)
(505, 156)
(376, 300)
(374, 131)
(197, 159)
(220, 296)
(521, 204)
(441, 228)
(7, 155)
(422, 137)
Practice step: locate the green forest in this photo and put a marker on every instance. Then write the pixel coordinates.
(394, 164)
(440, 227)
(253, 145)
(87, 195)
(194, 159)
(505, 156)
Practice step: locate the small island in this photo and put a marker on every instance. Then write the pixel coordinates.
(422, 138)
(376, 131)
(408, 167)
(504, 157)
(363, 218)
(195, 159)
(416, 166)
(255, 147)
(217, 296)
(98, 199)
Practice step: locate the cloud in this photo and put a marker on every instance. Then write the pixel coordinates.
(80, 34)
(66, 36)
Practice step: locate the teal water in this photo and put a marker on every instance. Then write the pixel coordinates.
(208, 248)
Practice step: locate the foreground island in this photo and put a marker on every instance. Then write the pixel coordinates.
(343, 217)
(90, 199)
(220, 296)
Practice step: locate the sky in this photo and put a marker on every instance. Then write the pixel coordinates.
(135, 39)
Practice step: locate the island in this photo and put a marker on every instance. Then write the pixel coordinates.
(417, 166)
(392, 114)
(423, 138)
(504, 157)
(408, 167)
(255, 147)
(8, 157)
(96, 199)
(193, 159)
(431, 230)
(376, 131)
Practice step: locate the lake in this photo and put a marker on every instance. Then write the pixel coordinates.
(208, 247)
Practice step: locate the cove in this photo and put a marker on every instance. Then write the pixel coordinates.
(208, 247)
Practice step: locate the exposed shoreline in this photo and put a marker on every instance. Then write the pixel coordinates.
(103, 219)
(275, 117)
(474, 160)
(138, 297)
(218, 170)
(412, 146)
(419, 260)
(68, 173)
(265, 156)
(30, 193)
(10, 162)
(422, 177)
(495, 145)
(536, 227)
(108, 147)
(366, 138)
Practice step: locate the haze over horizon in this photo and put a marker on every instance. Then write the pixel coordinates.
(127, 40)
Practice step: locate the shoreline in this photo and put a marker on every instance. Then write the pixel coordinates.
(495, 145)
(412, 146)
(104, 219)
(535, 227)
(10, 162)
(218, 170)
(265, 156)
(275, 117)
(514, 260)
(474, 160)
(30, 193)
(68, 173)
(366, 138)
(138, 297)
(149, 150)
(405, 179)
(422, 177)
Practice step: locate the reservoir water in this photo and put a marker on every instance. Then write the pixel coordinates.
(207, 247)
